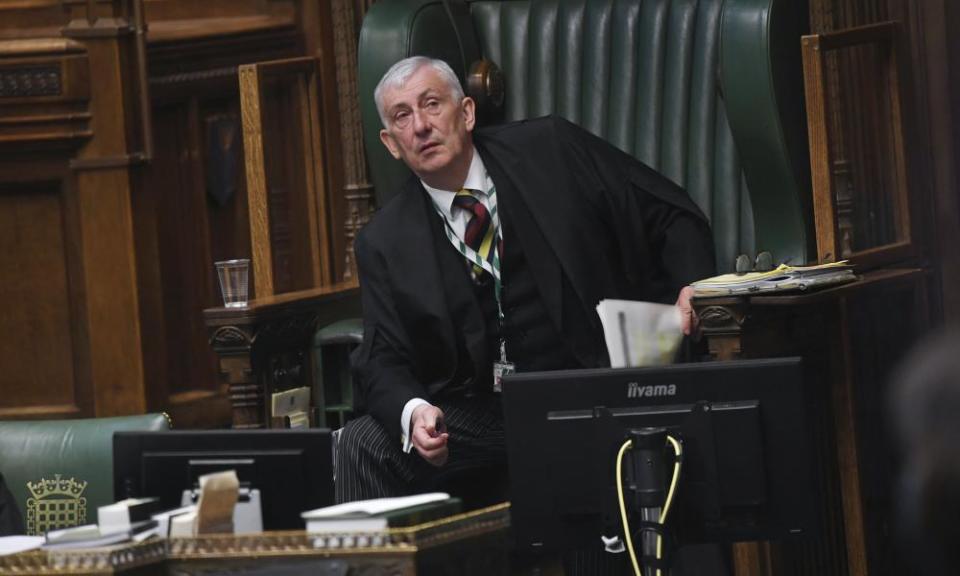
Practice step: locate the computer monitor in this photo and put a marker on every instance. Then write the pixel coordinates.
(292, 469)
(745, 459)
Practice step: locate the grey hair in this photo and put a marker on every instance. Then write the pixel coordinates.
(399, 73)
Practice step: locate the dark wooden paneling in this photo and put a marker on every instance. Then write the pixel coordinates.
(136, 241)
(881, 334)
(228, 221)
(939, 19)
(36, 343)
(181, 230)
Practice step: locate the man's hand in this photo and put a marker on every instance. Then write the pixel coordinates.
(428, 434)
(688, 320)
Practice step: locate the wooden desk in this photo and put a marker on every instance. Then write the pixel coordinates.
(473, 543)
(264, 346)
(849, 337)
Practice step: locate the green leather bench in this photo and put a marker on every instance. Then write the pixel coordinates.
(61, 471)
(709, 92)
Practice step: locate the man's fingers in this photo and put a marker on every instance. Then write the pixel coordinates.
(430, 418)
(688, 320)
(436, 457)
(430, 434)
(434, 423)
(424, 440)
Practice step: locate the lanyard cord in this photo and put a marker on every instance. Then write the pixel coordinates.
(493, 267)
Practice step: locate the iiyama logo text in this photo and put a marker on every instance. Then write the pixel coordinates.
(635, 390)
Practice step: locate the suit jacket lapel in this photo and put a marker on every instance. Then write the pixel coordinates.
(415, 251)
(460, 298)
(436, 278)
(564, 235)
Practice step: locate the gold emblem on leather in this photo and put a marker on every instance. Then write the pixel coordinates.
(56, 503)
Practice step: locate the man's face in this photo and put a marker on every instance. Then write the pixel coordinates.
(428, 129)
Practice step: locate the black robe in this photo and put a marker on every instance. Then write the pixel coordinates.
(614, 228)
(11, 522)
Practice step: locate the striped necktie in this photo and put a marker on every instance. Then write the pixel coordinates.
(479, 232)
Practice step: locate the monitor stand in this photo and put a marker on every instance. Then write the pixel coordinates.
(645, 493)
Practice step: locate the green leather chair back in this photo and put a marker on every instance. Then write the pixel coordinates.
(333, 384)
(708, 92)
(61, 471)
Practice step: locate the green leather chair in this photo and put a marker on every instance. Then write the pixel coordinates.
(333, 386)
(61, 471)
(709, 92)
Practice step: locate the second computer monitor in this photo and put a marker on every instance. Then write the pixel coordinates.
(292, 469)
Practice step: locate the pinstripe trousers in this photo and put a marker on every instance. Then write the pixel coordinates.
(371, 464)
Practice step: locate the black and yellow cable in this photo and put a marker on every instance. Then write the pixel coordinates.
(678, 451)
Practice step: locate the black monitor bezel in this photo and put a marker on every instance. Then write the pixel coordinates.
(310, 448)
(539, 466)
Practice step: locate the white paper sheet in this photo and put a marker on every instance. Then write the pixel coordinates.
(17, 544)
(640, 333)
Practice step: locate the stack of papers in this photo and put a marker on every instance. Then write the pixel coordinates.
(781, 279)
(381, 513)
(90, 536)
(124, 514)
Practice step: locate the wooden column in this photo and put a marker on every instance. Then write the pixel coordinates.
(103, 188)
(358, 191)
(335, 33)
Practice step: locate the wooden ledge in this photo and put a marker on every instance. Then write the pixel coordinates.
(286, 303)
(863, 281)
(164, 31)
(39, 46)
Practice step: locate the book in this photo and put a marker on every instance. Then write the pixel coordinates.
(165, 519)
(381, 513)
(90, 536)
(183, 525)
(74, 533)
(122, 515)
(783, 278)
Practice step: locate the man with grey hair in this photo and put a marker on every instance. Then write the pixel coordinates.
(492, 259)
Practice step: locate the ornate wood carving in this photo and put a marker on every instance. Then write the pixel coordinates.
(722, 318)
(357, 189)
(30, 82)
(233, 344)
(265, 347)
(44, 93)
(472, 543)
